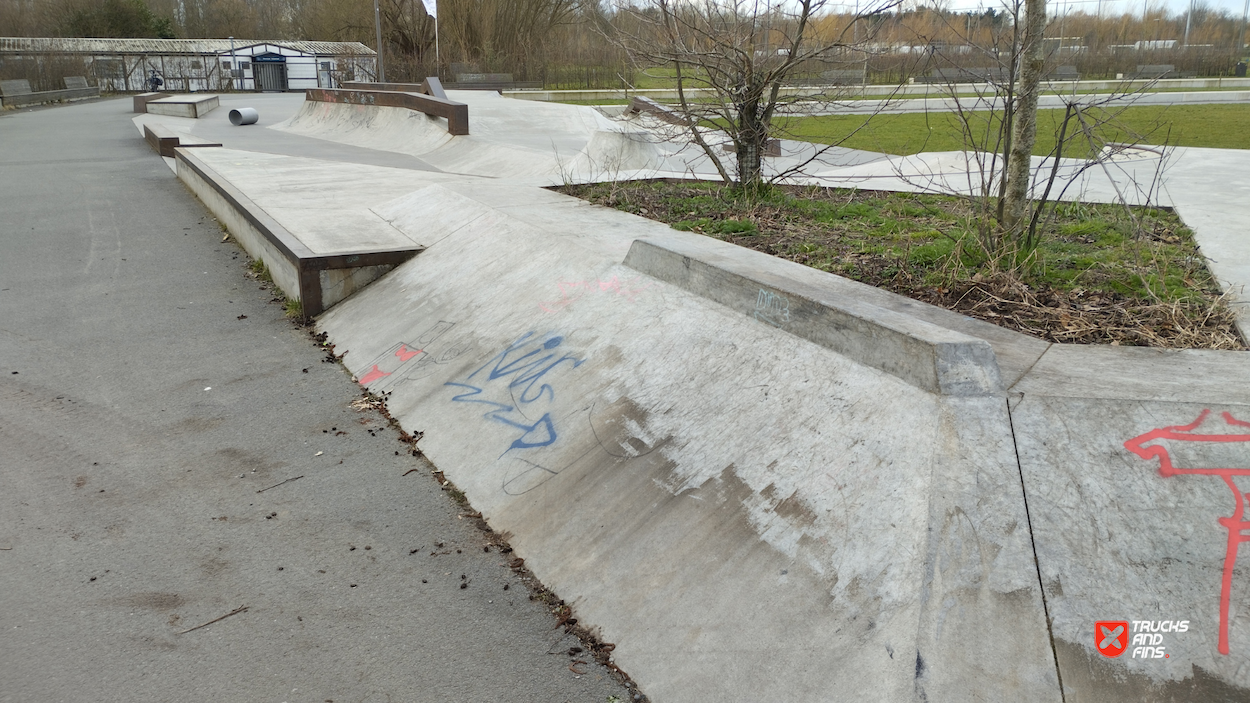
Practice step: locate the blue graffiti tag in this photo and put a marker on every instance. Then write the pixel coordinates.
(525, 375)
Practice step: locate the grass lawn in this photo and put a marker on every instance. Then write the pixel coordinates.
(1217, 126)
(1096, 278)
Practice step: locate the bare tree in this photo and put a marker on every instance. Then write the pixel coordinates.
(731, 61)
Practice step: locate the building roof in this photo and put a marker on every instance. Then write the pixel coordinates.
(58, 45)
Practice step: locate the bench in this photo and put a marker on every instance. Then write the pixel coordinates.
(1159, 72)
(1064, 73)
(164, 140)
(854, 76)
(456, 114)
(993, 74)
(18, 93)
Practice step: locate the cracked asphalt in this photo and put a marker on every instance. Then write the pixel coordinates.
(149, 388)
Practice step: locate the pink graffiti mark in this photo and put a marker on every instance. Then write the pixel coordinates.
(1236, 524)
(571, 291)
(374, 374)
(404, 353)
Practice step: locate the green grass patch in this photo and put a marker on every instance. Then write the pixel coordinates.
(1214, 126)
(1102, 273)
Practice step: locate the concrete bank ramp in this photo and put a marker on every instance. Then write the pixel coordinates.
(539, 143)
(747, 513)
(763, 482)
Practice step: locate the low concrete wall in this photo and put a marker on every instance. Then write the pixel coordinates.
(49, 96)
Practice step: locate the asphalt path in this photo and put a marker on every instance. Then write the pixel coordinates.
(150, 392)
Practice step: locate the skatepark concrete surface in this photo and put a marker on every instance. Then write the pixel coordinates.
(761, 481)
(154, 406)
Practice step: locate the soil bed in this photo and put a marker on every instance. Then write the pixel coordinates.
(1098, 277)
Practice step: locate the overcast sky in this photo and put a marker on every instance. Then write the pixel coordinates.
(1116, 7)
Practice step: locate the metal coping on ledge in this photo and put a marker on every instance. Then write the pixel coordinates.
(308, 264)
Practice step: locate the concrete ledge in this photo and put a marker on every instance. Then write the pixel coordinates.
(930, 357)
(140, 101)
(165, 140)
(192, 106)
(317, 281)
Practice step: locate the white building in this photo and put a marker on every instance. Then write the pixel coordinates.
(187, 65)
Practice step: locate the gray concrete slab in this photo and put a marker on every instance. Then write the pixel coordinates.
(711, 491)
(148, 390)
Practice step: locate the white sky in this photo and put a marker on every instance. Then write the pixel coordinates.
(1115, 7)
(1108, 7)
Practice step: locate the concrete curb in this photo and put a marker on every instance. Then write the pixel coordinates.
(923, 354)
(316, 281)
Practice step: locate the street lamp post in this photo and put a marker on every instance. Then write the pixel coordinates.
(377, 23)
(234, 66)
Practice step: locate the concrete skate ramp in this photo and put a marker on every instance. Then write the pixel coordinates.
(752, 508)
(746, 514)
(539, 143)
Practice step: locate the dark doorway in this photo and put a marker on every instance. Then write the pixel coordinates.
(270, 73)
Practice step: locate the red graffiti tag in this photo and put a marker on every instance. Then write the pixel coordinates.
(404, 353)
(1236, 524)
(570, 291)
(374, 374)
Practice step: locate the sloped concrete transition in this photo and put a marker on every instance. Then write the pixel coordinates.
(763, 482)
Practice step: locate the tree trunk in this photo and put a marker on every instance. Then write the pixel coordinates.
(1024, 124)
(752, 141)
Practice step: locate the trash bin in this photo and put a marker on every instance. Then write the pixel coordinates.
(1241, 69)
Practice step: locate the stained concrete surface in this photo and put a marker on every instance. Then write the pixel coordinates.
(148, 390)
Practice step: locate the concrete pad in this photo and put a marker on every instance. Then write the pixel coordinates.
(1211, 190)
(192, 106)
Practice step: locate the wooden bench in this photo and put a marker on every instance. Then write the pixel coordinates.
(456, 114)
(18, 93)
